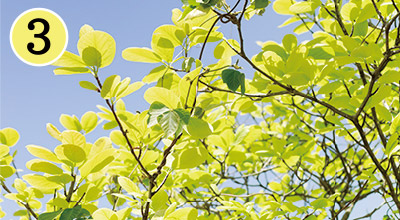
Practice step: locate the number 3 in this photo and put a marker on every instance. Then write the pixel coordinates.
(42, 36)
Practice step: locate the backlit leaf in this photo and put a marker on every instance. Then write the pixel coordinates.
(102, 42)
(42, 153)
(89, 121)
(199, 128)
(91, 56)
(162, 95)
(9, 136)
(143, 55)
(182, 214)
(38, 165)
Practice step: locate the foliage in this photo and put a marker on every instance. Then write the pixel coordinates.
(313, 130)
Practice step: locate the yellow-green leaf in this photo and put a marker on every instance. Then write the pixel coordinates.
(41, 182)
(104, 214)
(282, 7)
(89, 121)
(43, 153)
(182, 214)
(73, 137)
(53, 131)
(129, 186)
(70, 70)
(9, 136)
(6, 171)
(38, 165)
(69, 59)
(85, 29)
(97, 162)
(102, 41)
(70, 152)
(4, 150)
(199, 129)
(190, 157)
(163, 95)
(70, 122)
(143, 55)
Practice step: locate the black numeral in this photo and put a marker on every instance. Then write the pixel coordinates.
(42, 36)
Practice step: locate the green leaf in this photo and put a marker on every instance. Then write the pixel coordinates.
(69, 59)
(130, 89)
(109, 85)
(143, 55)
(73, 137)
(289, 42)
(382, 93)
(169, 122)
(182, 214)
(321, 52)
(162, 95)
(49, 215)
(76, 212)
(70, 122)
(198, 112)
(320, 203)
(97, 162)
(391, 76)
(42, 183)
(91, 56)
(188, 87)
(275, 186)
(183, 115)
(156, 109)
(392, 145)
(155, 74)
(9, 136)
(129, 186)
(6, 171)
(222, 50)
(199, 11)
(329, 87)
(190, 157)
(43, 153)
(71, 152)
(233, 79)
(258, 4)
(361, 28)
(395, 126)
(104, 213)
(102, 42)
(350, 11)
(38, 165)
(282, 7)
(303, 27)
(53, 131)
(89, 121)
(383, 113)
(159, 201)
(198, 129)
(70, 70)
(4, 150)
(187, 64)
(297, 79)
(301, 7)
(88, 85)
(85, 29)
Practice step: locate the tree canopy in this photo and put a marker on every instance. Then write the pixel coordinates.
(300, 130)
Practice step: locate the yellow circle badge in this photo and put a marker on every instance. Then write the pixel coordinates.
(38, 37)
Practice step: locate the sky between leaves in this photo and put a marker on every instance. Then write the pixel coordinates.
(31, 96)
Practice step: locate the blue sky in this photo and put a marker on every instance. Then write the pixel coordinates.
(31, 96)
